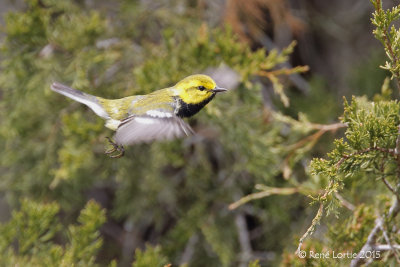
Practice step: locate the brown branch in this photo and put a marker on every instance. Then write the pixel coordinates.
(297, 80)
(283, 71)
(322, 128)
(265, 193)
(328, 127)
(311, 139)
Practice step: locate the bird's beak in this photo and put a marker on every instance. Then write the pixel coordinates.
(219, 89)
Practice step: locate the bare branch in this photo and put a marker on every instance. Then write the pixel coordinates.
(386, 247)
(310, 141)
(244, 239)
(298, 81)
(397, 150)
(265, 193)
(344, 202)
(373, 235)
(389, 186)
(189, 249)
(316, 219)
(387, 239)
(310, 229)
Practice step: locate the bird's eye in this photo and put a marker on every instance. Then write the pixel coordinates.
(201, 88)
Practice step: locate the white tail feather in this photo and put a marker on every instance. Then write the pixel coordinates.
(89, 100)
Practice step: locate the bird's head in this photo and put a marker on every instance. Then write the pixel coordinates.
(197, 88)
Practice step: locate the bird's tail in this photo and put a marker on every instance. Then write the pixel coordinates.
(89, 100)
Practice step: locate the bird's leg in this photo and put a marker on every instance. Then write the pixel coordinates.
(115, 147)
(121, 151)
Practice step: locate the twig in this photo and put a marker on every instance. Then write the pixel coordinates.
(244, 239)
(320, 210)
(387, 239)
(295, 78)
(344, 202)
(316, 219)
(283, 71)
(370, 244)
(266, 192)
(322, 128)
(189, 249)
(310, 229)
(383, 171)
(379, 224)
(311, 140)
(329, 127)
(389, 186)
(397, 149)
(386, 247)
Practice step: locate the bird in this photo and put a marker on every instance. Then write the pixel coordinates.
(146, 118)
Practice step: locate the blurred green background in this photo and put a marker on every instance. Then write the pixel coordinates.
(63, 202)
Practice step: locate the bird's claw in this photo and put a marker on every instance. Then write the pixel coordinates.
(115, 147)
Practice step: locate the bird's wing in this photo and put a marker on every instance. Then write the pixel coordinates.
(154, 125)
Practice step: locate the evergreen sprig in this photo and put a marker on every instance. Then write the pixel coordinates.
(371, 146)
(388, 35)
(31, 237)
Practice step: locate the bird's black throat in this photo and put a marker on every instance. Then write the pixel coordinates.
(188, 110)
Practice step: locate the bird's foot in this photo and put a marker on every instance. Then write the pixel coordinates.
(115, 148)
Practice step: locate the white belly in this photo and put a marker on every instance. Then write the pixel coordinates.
(112, 124)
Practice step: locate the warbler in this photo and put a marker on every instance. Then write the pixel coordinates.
(145, 118)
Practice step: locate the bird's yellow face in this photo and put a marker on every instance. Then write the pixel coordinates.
(195, 89)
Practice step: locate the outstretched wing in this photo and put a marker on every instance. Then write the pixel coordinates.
(154, 125)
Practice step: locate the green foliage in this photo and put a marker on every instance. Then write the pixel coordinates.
(354, 232)
(152, 256)
(84, 241)
(388, 35)
(369, 148)
(175, 192)
(371, 134)
(254, 263)
(367, 156)
(53, 148)
(29, 238)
